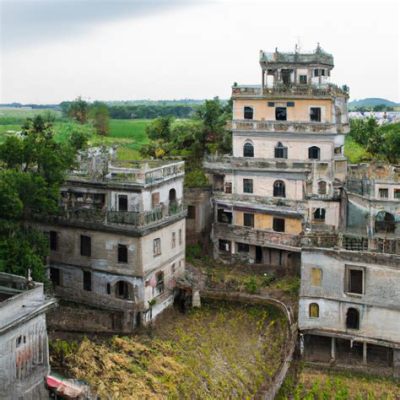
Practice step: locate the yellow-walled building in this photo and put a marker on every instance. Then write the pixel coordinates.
(287, 163)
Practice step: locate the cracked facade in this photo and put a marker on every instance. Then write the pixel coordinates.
(119, 242)
(24, 353)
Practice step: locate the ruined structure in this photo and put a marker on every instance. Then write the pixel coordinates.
(119, 242)
(287, 167)
(24, 356)
(350, 298)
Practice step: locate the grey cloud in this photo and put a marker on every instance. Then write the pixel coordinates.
(27, 22)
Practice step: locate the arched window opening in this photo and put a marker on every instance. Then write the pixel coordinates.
(353, 319)
(314, 153)
(313, 310)
(319, 215)
(279, 189)
(248, 150)
(123, 290)
(322, 187)
(385, 222)
(280, 151)
(172, 195)
(159, 289)
(248, 113)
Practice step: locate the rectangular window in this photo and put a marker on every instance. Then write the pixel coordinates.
(355, 280)
(278, 224)
(243, 247)
(280, 152)
(86, 246)
(87, 281)
(290, 104)
(53, 240)
(224, 245)
(191, 212)
(122, 202)
(122, 253)
(396, 193)
(155, 199)
(173, 240)
(315, 114)
(280, 114)
(248, 220)
(248, 113)
(247, 185)
(316, 276)
(55, 276)
(228, 187)
(383, 193)
(303, 79)
(180, 236)
(156, 247)
(271, 104)
(316, 72)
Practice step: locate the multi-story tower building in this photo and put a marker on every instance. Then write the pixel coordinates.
(24, 351)
(349, 310)
(119, 243)
(287, 164)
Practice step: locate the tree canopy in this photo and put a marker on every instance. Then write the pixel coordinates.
(32, 168)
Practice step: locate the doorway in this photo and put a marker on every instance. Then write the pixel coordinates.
(259, 255)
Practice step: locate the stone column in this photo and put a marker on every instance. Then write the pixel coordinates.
(333, 349)
(365, 348)
(262, 79)
(396, 363)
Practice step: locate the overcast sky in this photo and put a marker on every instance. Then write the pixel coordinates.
(55, 50)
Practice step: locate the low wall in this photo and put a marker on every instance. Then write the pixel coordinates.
(269, 389)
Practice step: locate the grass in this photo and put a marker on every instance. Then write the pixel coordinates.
(221, 351)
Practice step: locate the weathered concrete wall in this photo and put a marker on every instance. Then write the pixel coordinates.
(378, 304)
(300, 112)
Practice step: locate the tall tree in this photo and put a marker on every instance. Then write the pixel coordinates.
(79, 110)
(101, 117)
(32, 168)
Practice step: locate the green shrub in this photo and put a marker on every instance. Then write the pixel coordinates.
(193, 251)
(251, 285)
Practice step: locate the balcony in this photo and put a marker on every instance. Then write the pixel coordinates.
(289, 126)
(125, 219)
(292, 91)
(263, 238)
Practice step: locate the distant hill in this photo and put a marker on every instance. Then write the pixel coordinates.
(372, 102)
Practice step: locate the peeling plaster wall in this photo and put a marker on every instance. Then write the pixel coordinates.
(163, 190)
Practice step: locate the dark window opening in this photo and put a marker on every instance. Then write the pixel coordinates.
(315, 114)
(87, 281)
(352, 319)
(156, 247)
(228, 187)
(122, 290)
(172, 195)
(224, 216)
(279, 189)
(53, 240)
(248, 150)
(108, 288)
(396, 193)
(247, 185)
(278, 224)
(224, 245)
(383, 193)
(290, 104)
(316, 72)
(259, 255)
(285, 74)
(248, 113)
(271, 104)
(385, 222)
(319, 214)
(248, 219)
(355, 281)
(55, 276)
(322, 187)
(122, 202)
(314, 153)
(20, 340)
(280, 151)
(122, 253)
(280, 114)
(303, 79)
(243, 247)
(191, 212)
(86, 246)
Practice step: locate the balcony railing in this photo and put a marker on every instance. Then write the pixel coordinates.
(289, 126)
(279, 90)
(255, 236)
(129, 218)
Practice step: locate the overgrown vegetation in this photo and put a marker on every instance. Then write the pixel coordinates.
(367, 140)
(32, 168)
(220, 351)
(321, 385)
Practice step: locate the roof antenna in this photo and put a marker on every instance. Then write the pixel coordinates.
(298, 45)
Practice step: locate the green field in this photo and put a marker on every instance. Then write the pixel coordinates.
(128, 135)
